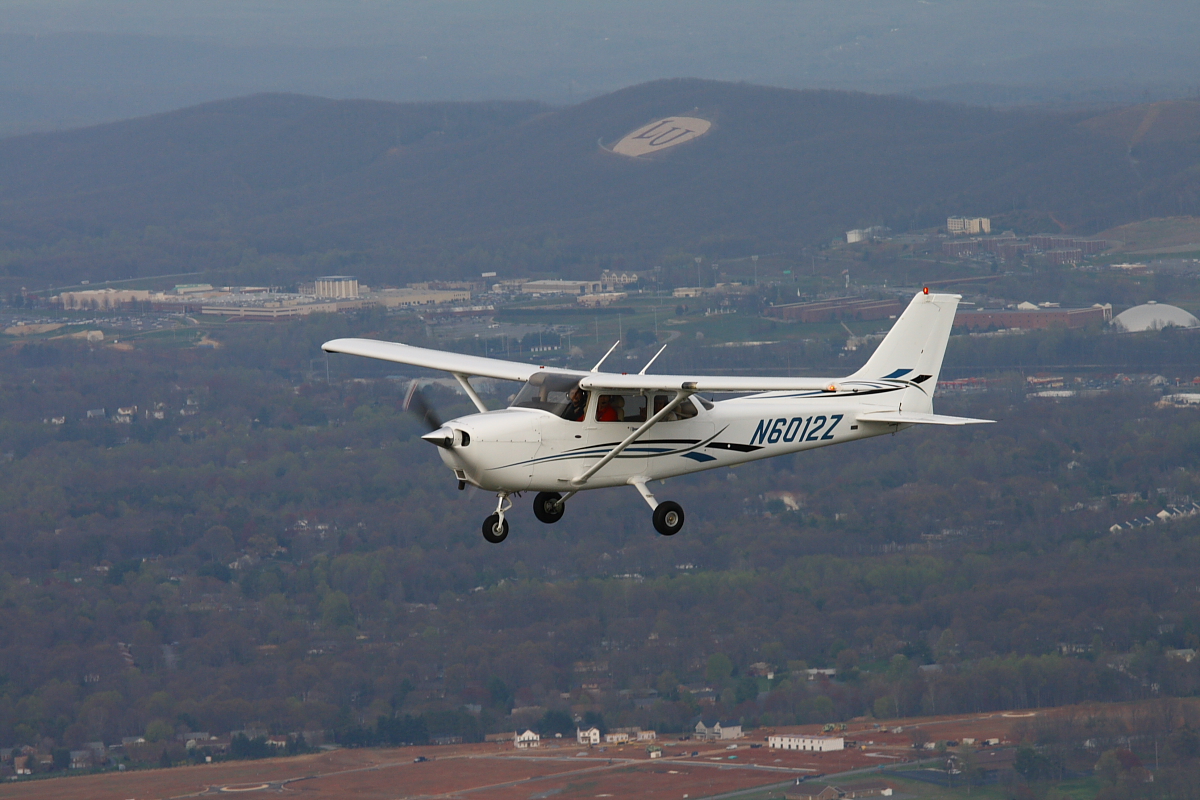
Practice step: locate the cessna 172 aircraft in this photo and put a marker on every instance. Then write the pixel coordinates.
(568, 430)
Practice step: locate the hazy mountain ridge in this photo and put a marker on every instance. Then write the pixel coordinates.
(527, 184)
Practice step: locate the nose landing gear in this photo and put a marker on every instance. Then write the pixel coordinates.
(495, 526)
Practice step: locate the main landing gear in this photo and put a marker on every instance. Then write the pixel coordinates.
(668, 518)
(668, 515)
(549, 507)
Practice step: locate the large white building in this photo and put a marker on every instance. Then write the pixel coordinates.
(562, 287)
(589, 736)
(1153, 317)
(393, 298)
(968, 225)
(808, 744)
(336, 286)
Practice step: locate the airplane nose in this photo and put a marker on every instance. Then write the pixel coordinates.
(442, 437)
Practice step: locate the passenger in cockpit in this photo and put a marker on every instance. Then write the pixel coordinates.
(605, 410)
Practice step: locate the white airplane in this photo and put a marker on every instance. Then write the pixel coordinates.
(568, 430)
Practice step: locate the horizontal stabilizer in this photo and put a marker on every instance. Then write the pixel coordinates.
(918, 419)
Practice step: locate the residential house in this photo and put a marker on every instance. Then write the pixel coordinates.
(761, 669)
(589, 736)
(616, 738)
(820, 791)
(646, 736)
(81, 759)
(717, 729)
(526, 740)
(22, 765)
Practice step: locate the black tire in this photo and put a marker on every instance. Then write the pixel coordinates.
(668, 518)
(547, 508)
(493, 530)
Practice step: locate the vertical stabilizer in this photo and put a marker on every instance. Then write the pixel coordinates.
(913, 350)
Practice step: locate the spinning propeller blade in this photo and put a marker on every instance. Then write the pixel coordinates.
(415, 402)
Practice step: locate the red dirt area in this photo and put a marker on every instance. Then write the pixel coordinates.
(657, 780)
(445, 775)
(495, 771)
(183, 781)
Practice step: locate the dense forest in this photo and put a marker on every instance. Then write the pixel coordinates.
(265, 544)
(283, 187)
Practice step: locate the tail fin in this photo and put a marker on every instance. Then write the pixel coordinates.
(914, 347)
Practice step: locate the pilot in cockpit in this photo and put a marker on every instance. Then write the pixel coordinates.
(576, 406)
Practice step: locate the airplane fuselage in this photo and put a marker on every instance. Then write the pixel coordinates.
(521, 449)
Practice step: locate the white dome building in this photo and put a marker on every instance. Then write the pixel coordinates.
(1154, 316)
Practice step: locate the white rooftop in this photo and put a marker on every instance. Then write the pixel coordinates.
(1154, 316)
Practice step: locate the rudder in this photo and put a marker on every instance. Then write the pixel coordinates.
(915, 346)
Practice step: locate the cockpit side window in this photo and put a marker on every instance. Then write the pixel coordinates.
(685, 410)
(558, 394)
(621, 408)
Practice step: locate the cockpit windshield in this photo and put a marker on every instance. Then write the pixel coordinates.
(553, 392)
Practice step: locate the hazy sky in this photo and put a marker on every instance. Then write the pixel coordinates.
(69, 62)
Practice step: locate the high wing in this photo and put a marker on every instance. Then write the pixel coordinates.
(910, 355)
(456, 363)
(516, 371)
(698, 383)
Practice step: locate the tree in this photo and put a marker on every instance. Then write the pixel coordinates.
(336, 611)
(719, 668)
(594, 719)
(1032, 765)
(556, 721)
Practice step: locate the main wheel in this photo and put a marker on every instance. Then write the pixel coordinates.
(668, 518)
(547, 508)
(494, 530)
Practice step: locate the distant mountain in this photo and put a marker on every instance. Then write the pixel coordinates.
(396, 191)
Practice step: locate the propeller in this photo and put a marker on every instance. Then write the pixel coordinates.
(415, 402)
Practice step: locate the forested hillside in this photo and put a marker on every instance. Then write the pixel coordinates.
(282, 551)
(284, 186)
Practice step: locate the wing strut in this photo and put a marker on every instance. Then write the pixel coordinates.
(606, 355)
(471, 393)
(651, 361)
(679, 397)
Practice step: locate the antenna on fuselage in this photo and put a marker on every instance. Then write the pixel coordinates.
(651, 361)
(606, 355)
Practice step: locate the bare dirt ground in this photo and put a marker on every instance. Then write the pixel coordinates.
(555, 772)
(1162, 235)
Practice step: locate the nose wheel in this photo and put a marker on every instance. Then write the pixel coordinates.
(495, 526)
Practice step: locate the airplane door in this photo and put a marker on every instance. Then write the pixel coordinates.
(519, 447)
(558, 438)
